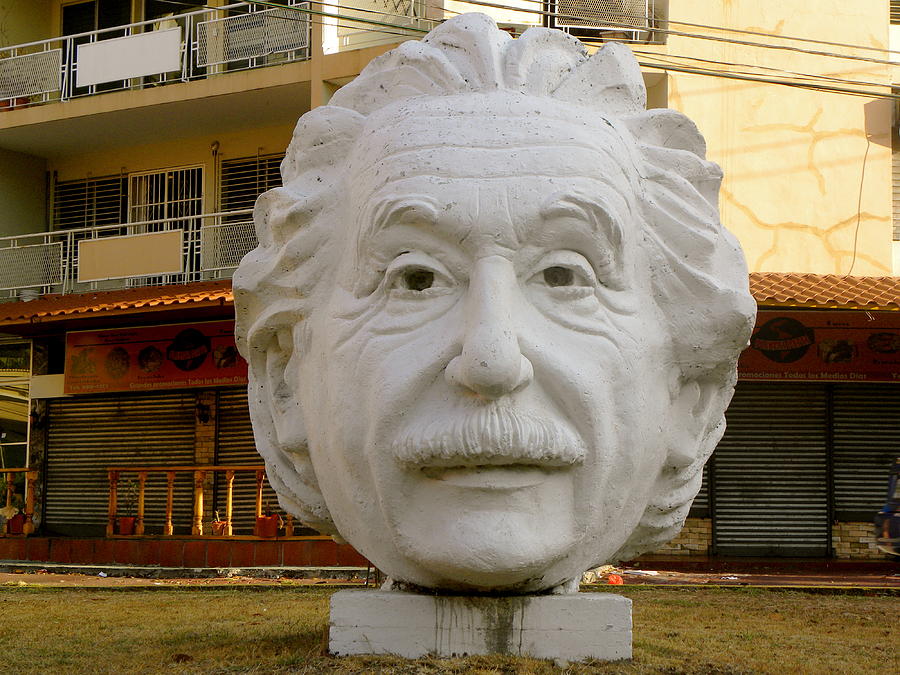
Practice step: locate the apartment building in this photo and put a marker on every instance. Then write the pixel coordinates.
(135, 136)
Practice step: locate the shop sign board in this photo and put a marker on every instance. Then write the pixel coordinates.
(153, 358)
(824, 346)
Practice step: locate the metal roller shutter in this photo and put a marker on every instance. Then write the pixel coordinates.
(235, 445)
(89, 433)
(770, 472)
(866, 440)
(700, 505)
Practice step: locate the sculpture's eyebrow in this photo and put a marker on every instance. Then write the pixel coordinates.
(600, 216)
(394, 211)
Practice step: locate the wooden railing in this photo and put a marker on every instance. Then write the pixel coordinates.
(30, 481)
(199, 478)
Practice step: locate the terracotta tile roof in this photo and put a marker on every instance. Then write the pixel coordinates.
(825, 290)
(148, 298)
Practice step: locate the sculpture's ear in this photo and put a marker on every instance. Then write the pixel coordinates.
(697, 409)
(282, 399)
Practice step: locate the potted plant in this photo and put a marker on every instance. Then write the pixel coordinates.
(15, 519)
(268, 523)
(125, 523)
(218, 526)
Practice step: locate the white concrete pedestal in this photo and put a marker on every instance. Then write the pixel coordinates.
(573, 627)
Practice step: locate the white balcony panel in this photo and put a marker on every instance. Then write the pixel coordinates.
(30, 74)
(31, 266)
(137, 255)
(131, 56)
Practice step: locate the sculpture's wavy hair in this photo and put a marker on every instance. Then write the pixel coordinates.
(697, 270)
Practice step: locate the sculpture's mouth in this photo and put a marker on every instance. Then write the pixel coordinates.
(491, 476)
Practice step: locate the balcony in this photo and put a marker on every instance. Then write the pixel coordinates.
(153, 252)
(191, 46)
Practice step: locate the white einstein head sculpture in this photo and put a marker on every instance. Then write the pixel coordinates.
(493, 318)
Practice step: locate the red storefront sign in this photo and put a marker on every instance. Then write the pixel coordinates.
(154, 357)
(825, 346)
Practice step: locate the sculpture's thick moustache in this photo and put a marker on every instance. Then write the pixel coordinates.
(488, 435)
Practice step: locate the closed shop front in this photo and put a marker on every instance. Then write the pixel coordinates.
(87, 434)
(798, 458)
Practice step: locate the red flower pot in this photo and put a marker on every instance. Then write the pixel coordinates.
(267, 526)
(15, 524)
(125, 525)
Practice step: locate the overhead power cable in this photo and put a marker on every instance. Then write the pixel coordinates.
(668, 31)
(666, 58)
(612, 24)
(771, 80)
(729, 29)
(406, 31)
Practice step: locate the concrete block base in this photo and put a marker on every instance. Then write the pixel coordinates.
(573, 627)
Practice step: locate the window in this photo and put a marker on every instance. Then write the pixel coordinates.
(89, 202)
(83, 17)
(161, 195)
(246, 178)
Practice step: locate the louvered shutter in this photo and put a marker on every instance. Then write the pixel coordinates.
(87, 434)
(770, 485)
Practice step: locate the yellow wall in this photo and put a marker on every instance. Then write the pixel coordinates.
(24, 21)
(807, 174)
(22, 186)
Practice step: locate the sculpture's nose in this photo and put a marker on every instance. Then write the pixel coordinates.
(491, 363)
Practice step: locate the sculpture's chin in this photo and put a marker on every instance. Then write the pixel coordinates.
(496, 551)
(474, 529)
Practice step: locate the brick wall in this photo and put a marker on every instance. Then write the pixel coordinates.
(694, 539)
(855, 541)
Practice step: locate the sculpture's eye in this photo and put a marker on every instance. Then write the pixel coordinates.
(559, 276)
(565, 274)
(413, 274)
(416, 279)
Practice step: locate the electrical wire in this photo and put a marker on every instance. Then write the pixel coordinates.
(393, 29)
(667, 31)
(664, 59)
(558, 15)
(770, 80)
(862, 181)
(729, 29)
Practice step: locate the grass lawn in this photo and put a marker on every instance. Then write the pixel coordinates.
(283, 629)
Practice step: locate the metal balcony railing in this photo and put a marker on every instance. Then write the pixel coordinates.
(212, 245)
(622, 20)
(179, 48)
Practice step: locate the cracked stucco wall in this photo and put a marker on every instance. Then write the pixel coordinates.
(807, 173)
